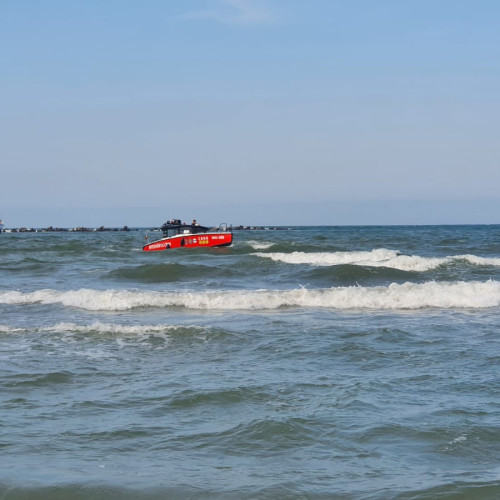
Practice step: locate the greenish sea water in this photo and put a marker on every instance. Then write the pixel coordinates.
(315, 363)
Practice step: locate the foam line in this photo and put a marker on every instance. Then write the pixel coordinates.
(376, 258)
(395, 296)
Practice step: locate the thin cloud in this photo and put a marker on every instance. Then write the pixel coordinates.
(244, 12)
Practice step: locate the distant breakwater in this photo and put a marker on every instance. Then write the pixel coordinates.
(79, 229)
(82, 229)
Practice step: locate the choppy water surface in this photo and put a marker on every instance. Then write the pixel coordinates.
(337, 362)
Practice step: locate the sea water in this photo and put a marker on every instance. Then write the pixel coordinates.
(304, 363)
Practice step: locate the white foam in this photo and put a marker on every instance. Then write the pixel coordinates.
(99, 327)
(395, 296)
(478, 261)
(459, 439)
(260, 245)
(10, 329)
(381, 257)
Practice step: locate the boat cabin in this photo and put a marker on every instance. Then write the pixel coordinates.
(175, 227)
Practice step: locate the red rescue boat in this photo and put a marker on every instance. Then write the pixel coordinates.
(182, 235)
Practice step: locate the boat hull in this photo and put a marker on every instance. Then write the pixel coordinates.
(200, 240)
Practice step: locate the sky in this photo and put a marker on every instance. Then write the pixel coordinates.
(253, 112)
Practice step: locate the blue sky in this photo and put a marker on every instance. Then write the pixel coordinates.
(119, 112)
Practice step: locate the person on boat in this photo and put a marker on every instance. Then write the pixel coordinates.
(194, 223)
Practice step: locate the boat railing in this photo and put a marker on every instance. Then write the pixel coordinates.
(224, 227)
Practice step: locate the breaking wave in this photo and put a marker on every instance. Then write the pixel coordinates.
(392, 297)
(260, 245)
(376, 258)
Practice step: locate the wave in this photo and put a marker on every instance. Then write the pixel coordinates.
(459, 489)
(350, 274)
(377, 258)
(85, 490)
(260, 245)
(475, 295)
(104, 328)
(160, 273)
